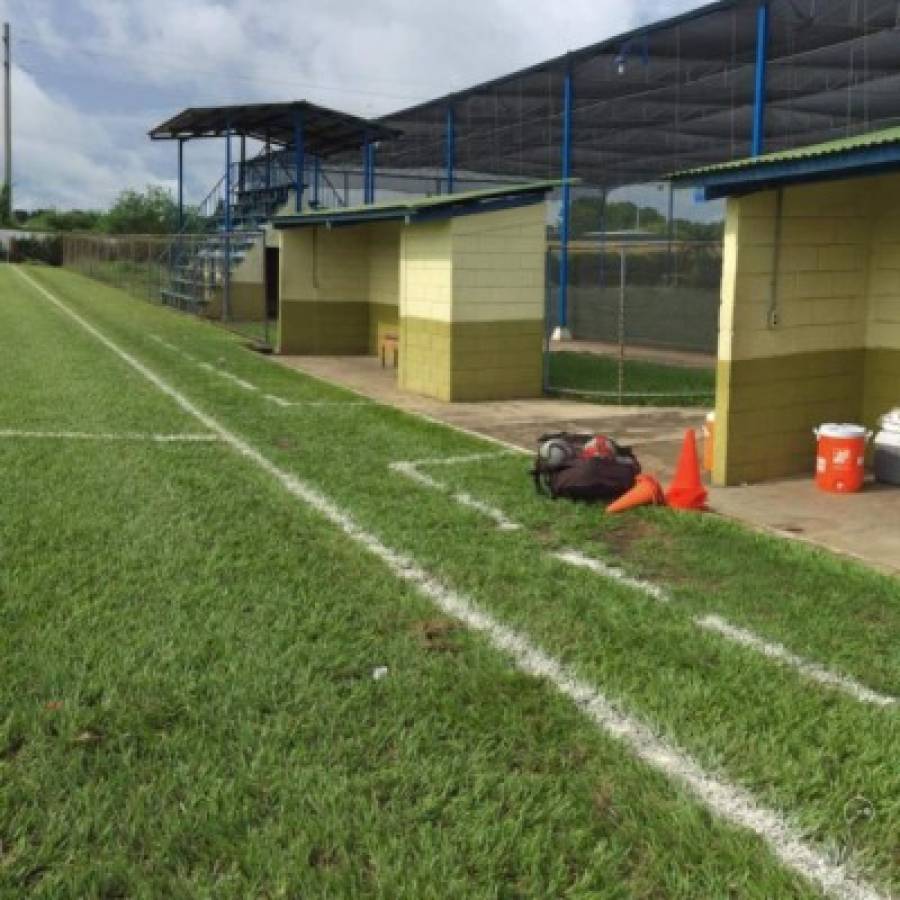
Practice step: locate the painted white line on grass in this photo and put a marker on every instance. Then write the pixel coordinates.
(574, 558)
(248, 386)
(812, 670)
(730, 802)
(102, 436)
(410, 469)
(779, 652)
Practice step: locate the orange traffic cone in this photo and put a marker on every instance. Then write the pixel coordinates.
(647, 491)
(686, 490)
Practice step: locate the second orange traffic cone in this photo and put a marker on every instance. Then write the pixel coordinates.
(647, 491)
(686, 490)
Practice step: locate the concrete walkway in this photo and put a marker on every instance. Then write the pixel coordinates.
(863, 526)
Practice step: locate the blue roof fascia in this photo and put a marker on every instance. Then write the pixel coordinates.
(854, 163)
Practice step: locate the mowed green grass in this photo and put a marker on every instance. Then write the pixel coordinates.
(645, 383)
(188, 701)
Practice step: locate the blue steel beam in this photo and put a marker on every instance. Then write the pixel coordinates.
(759, 99)
(299, 159)
(451, 149)
(317, 175)
(367, 161)
(563, 307)
(370, 167)
(228, 180)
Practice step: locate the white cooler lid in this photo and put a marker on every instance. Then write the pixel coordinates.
(888, 439)
(841, 430)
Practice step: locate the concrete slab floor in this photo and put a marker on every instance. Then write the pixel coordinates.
(865, 526)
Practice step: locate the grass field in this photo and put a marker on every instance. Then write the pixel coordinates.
(242, 656)
(596, 378)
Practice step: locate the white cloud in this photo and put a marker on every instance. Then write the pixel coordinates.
(64, 158)
(154, 57)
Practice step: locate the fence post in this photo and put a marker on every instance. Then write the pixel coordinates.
(548, 323)
(623, 272)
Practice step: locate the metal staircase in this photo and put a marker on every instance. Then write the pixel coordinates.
(201, 258)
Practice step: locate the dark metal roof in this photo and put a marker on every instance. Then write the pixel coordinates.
(866, 154)
(675, 94)
(413, 209)
(326, 131)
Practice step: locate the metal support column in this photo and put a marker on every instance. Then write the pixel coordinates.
(562, 325)
(759, 99)
(268, 161)
(317, 176)
(370, 172)
(299, 159)
(451, 149)
(180, 183)
(241, 179)
(226, 263)
(366, 160)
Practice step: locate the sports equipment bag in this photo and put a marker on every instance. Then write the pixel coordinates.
(586, 467)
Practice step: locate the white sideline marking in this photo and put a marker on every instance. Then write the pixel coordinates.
(410, 469)
(732, 803)
(248, 386)
(574, 558)
(811, 670)
(101, 436)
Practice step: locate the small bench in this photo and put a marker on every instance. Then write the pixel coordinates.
(390, 343)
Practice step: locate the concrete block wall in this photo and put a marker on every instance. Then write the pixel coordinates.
(324, 292)
(472, 306)
(384, 283)
(779, 378)
(882, 371)
(465, 295)
(834, 352)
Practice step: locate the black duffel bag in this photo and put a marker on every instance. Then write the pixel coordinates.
(562, 468)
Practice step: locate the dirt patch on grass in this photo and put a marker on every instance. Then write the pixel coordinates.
(323, 858)
(436, 635)
(624, 539)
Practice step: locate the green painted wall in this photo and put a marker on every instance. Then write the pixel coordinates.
(328, 328)
(770, 406)
(882, 384)
(248, 302)
(469, 361)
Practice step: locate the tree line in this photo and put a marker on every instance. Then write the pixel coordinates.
(152, 211)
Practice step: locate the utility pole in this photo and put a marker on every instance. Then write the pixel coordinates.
(7, 121)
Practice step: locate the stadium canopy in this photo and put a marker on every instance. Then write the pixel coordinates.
(724, 80)
(325, 131)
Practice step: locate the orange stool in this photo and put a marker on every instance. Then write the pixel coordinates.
(389, 343)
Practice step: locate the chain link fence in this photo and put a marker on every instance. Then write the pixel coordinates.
(217, 276)
(642, 320)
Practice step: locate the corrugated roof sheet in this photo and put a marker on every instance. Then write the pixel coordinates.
(411, 206)
(883, 138)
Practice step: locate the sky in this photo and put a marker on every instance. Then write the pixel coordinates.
(91, 77)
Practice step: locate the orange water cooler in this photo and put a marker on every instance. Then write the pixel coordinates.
(841, 457)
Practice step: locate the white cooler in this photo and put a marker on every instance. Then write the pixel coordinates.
(887, 450)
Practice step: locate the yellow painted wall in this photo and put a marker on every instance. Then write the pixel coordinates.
(324, 291)
(834, 352)
(472, 306)
(499, 265)
(465, 295)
